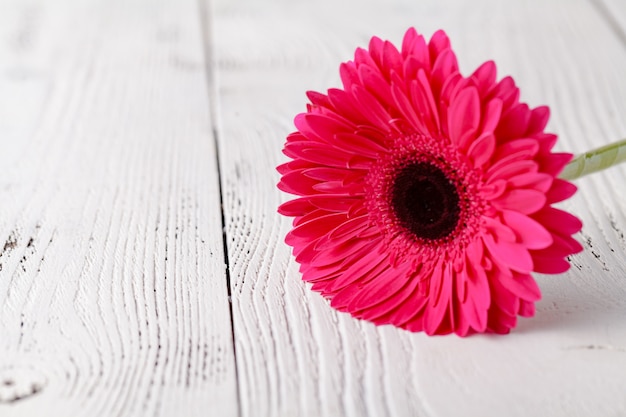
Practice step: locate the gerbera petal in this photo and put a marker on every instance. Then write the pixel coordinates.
(345, 231)
(519, 148)
(429, 100)
(555, 163)
(401, 306)
(514, 255)
(514, 122)
(296, 183)
(408, 315)
(365, 57)
(566, 244)
(358, 144)
(305, 253)
(414, 49)
(298, 207)
(319, 99)
(481, 149)
(326, 277)
(373, 81)
(297, 165)
(477, 319)
(559, 221)
(499, 230)
(546, 142)
(323, 173)
(552, 260)
(407, 108)
(313, 227)
(537, 181)
(526, 308)
(538, 120)
(439, 42)
(484, 77)
(506, 169)
(362, 271)
(464, 115)
(561, 190)
(422, 104)
(337, 252)
(478, 283)
(475, 307)
(340, 188)
(491, 116)
(503, 299)
(376, 50)
(392, 60)
(332, 202)
(493, 189)
(345, 106)
(372, 109)
(320, 126)
(529, 232)
(547, 264)
(521, 285)
(507, 91)
(439, 300)
(327, 156)
(313, 214)
(444, 66)
(349, 75)
(387, 284)
(409, 42)
(521, 200)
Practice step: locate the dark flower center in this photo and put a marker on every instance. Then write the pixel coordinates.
(425, 201)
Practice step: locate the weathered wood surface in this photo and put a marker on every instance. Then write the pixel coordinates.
(113, 297)
(113, 286)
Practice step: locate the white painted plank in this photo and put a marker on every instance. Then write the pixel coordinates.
(295, 355)
(113, 298)
(614, 12)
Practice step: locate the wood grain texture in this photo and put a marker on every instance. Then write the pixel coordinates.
(614, 13)
(295, 355)
(113, 297)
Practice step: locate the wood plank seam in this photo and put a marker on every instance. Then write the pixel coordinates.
(205, 16)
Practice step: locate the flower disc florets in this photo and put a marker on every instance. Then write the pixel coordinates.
(423, 196)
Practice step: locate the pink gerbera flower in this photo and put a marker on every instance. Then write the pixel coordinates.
(425, 196)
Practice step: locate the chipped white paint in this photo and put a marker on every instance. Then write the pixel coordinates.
(113, 297)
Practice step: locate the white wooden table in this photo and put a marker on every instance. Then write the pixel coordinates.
(142, 264)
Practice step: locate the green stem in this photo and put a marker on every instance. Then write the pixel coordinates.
(595, 160)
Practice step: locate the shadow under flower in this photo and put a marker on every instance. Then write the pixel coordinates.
(576, 307)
